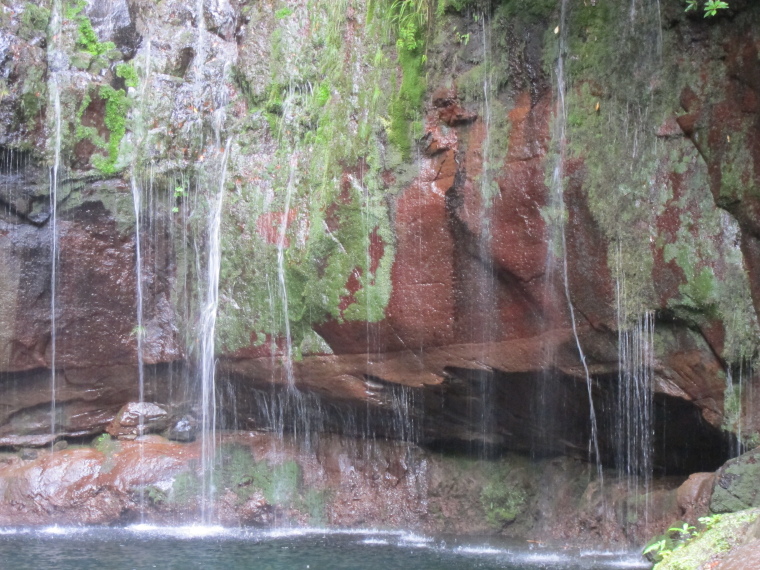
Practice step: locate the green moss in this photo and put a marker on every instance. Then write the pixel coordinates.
(186, 489)
(127, 72)
(529, 10)
(504, 496)
(155, 495)
(502, 503)
(115, 120)
(279, 483)
(34, 20)
(328, 168)
(106, 445)
(283, 13)
(707, 546)
(405, 108)
(87, 39)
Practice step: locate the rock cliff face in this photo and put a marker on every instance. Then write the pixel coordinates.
(393, 248)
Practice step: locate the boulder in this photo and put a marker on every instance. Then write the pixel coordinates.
(737, 484)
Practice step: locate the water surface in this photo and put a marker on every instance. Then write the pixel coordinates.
(144, 546)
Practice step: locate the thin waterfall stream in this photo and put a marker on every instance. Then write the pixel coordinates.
(208, 345)
(53, 56)
(557, 202)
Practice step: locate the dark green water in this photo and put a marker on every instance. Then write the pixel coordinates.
(211, 547)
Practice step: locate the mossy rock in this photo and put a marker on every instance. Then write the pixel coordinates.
(737, 485)
(713, 544)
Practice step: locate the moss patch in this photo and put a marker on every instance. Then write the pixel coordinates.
(712, 544)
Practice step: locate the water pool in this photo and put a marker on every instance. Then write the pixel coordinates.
(144, 546)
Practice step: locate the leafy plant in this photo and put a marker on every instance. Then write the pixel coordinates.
(87, 39)
(711, 7)
(106, 445)
(128, 73)
(657, 549)
(179, 193)
(661, 547)
(683, 532)
(411, 18)
(710, 521)
(117, 105)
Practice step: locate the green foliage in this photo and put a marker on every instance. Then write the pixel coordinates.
(87, 39)
(686, 549)
(444, 6)
(179, 193)
(328, 168)
(710, 521)
(323, 94)
(313, 502)
(661, 547)
(127, 72)
(502, 503)
(504, 495)
(115, 120)
(34, 19)
(240, 473)
(410, 19)
(283, 13)
(711, 7)
(106, 445)
(405, 108)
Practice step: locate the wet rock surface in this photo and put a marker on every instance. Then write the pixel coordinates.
(263, 480)
(472, 346)
(737, 484)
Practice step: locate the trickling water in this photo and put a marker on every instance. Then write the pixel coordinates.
(634, 402)
(488, 330)
(734, 400)
(281, 247)
(208, 354)
(139, 331)
(54, 33)
(559, 214)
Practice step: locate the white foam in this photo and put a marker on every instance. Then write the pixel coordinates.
(480, 550)
(189, 531)
(143, 527)
(411, 537)
(547, 558)
(310, 531)
(629, 563)
(8, 531)
(374, 541)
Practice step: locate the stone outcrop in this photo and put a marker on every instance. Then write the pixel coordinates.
(263, 480)
(736, 484)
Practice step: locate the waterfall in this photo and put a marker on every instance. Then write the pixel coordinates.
(281, 247)
(139, 330)
(485, 244)
(634, 401)
(54, 35)
(207, 336)
(559, 214)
